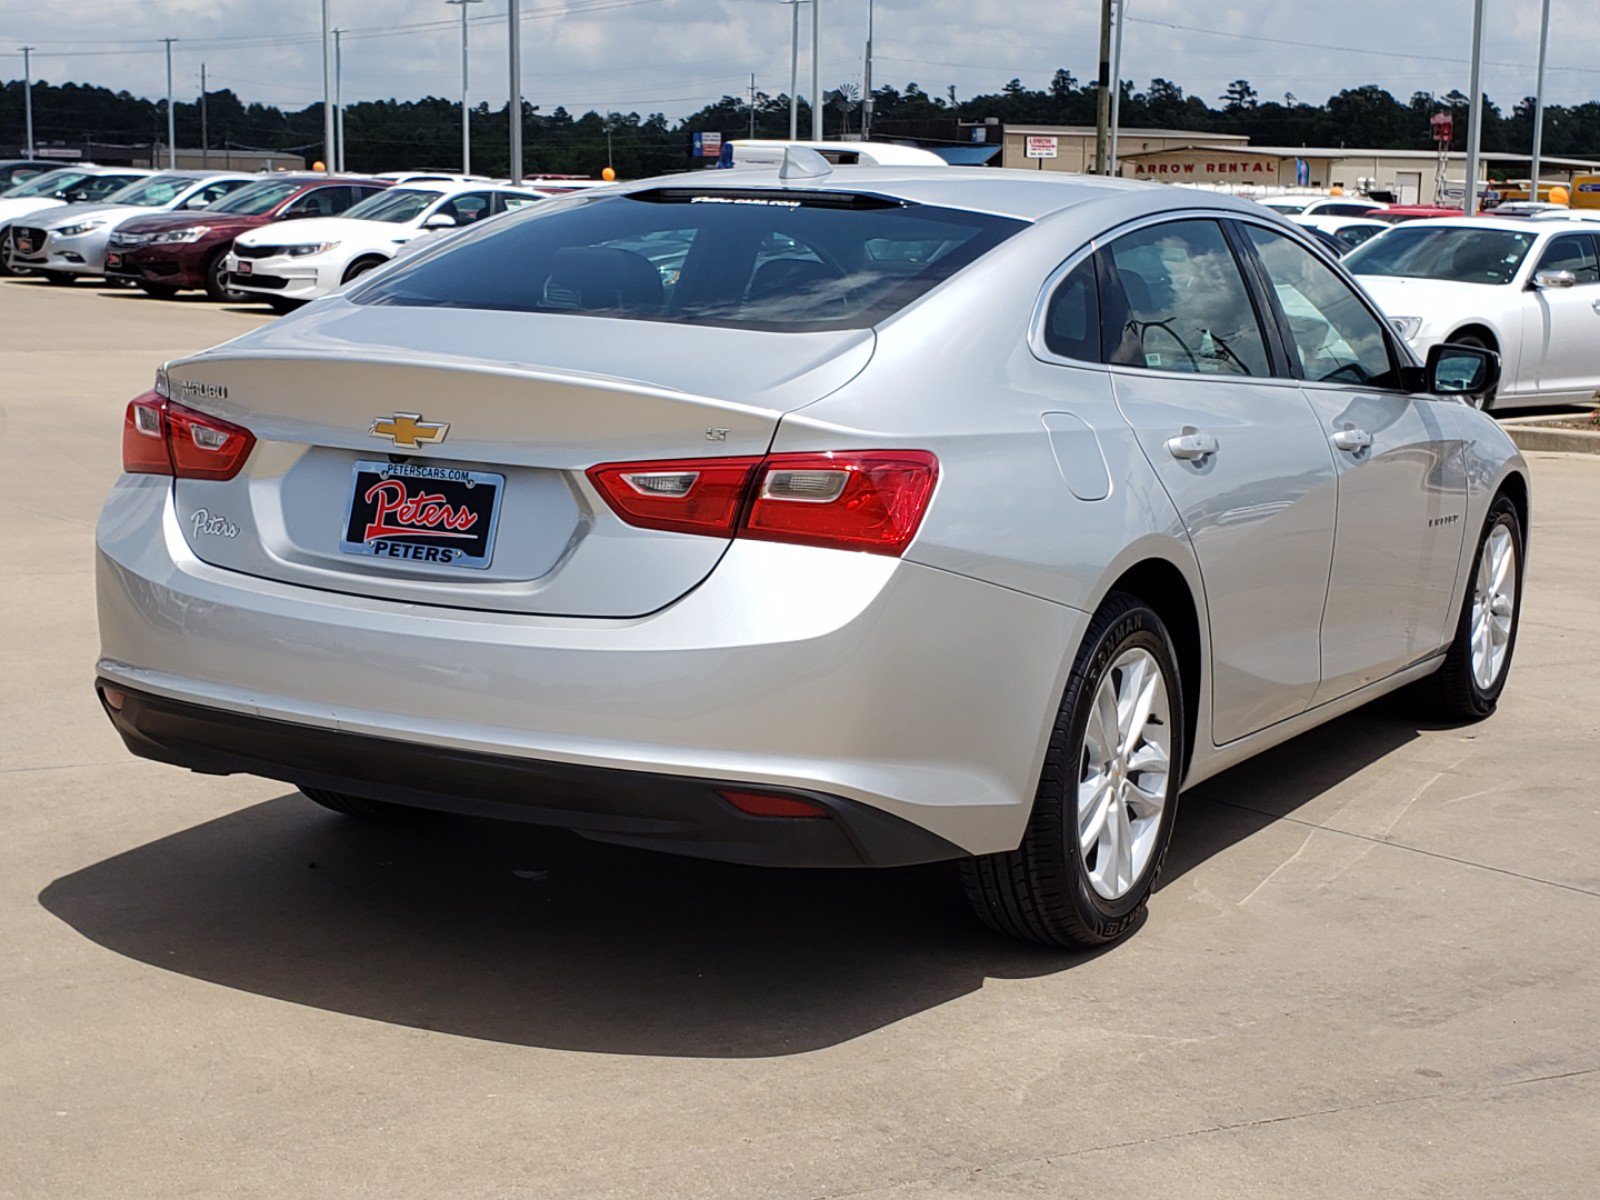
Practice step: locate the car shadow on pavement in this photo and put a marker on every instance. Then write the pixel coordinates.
(508, 933)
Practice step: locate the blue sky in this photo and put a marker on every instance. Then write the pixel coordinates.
(675, 55)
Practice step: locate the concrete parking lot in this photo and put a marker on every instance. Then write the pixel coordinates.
(1372, 968)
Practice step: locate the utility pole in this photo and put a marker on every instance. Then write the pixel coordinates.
(1102, 121)
(205, 134)
(172, 124)
(27, 93)
(338, 104)
(816, 70)
(752, 104)
(466, 113)
(1116, 89)
(1475, 112)
(514, 36)
(328, 133)
(866, 83)
(1538, 104)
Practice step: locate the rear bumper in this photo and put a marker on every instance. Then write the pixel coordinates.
(922, 694)
(658, 812)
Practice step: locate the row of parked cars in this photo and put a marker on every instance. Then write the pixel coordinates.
(283, 239)
(1522, 280)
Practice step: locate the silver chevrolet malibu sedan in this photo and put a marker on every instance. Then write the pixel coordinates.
(814, 516)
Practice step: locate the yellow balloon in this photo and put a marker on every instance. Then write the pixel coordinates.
(608, 174)
(1560, 195)
(319, 166)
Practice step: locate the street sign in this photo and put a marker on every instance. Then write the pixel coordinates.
(707, 145)
(1040, 147)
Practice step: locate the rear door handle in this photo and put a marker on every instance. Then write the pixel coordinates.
(1192, 446)
(1353, 440)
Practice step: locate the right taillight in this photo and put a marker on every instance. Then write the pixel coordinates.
(869, 500)
(160, 437)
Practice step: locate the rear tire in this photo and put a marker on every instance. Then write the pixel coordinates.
(1052, 889)
(1466, 686)
(158, 291)
(353, 806)
(216, 282)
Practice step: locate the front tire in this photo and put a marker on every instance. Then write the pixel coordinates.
(1108, 793)
(359, 268)
(1468, 684)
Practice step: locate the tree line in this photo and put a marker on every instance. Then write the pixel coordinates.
(386, 134)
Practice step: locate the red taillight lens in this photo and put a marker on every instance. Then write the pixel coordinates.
(871, 500)
(163, 438)
(852, 500)
(699, 495)
(772, 804)
(205, 447)
(144, 436)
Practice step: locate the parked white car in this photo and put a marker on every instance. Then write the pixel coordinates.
(289, 263)
(1317, 205)
(1349, 232)
(1529, 289)
(69, 241)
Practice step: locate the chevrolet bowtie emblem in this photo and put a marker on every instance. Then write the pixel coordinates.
(408, 429)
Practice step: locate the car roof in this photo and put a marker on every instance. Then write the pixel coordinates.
(1010, 192)
(1507, 224)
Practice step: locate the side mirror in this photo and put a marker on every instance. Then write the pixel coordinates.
(76, 196)
(440, 221)
(1461, 370)
(198, 202)
(1554, 279)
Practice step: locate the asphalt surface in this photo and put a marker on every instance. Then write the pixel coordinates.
(1371, 969)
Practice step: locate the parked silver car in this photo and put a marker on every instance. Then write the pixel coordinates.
(806, 516)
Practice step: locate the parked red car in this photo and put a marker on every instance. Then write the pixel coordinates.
(171, 252)
(1397, 213)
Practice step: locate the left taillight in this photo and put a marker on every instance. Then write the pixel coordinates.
(870, 500)
(160, 437)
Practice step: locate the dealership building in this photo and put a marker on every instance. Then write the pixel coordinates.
(1217, 160)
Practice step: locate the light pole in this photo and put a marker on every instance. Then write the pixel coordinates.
(172, 124)
(328, 132)
(866, 83)
(1102, 123)
(794, 68)
(1474, 113)
(338, 104)
(466, 116)
(1116, 87)
(1538, 103)
(816, 70)
(514, 37)
(27, 94)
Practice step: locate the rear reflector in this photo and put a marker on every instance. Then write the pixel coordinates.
(871, 500)
(772, 804)
(160, 437)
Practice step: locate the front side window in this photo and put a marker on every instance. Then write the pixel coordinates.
(257, 199)
(1454, 253)
(1172, 299)
(212, 192)
(1572, 252)
(1336, 337)
(107, 187)
(787, 261)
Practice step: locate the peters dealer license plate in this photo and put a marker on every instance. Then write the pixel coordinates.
(244, 268)
(417, 513)
(113, 260)
(24, 243)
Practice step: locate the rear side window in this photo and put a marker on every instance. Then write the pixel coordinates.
(764, 259)
(1172, 299)
(1072, 318)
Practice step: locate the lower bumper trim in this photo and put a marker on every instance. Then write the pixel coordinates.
(676, 814)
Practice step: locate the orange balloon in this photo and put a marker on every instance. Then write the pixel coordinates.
(608, 175)
(1560, 195)
(319, 166)
(1336, 190)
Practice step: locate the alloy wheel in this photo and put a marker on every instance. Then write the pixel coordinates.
(1122, 782)
(1494, 605)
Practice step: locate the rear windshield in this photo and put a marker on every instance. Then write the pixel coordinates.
(1449, 252)
(763, 259)
(255, 199)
